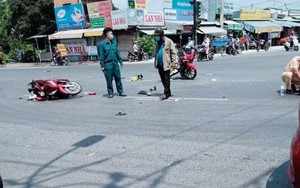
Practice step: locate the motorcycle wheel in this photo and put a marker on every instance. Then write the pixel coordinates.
(223, 52)
(145, 57)
(239, 50)
(296, 48)
(131, 58)
(286, 48)
(190, 74)
(66, 62)
(199, 58)
(52, 63)
(233, 52)
(211, 57)
(72, 88)
(267, 48)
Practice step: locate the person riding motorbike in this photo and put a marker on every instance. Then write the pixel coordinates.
(206, 44)
(135, 48)
(291, 38)
(57, 55)
(190, 43)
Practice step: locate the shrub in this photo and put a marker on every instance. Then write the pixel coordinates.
(147, 44)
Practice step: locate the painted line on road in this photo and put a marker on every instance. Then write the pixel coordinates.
(248, 80)
(176, 99)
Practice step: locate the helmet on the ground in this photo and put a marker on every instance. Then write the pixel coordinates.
(159, 31)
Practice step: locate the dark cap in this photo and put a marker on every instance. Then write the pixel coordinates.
(159, 31)
(106, 30)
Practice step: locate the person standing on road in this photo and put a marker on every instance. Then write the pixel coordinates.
(291, 75)
(110, 62)
(165, 58)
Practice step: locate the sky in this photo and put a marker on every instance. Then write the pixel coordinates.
(238, 4)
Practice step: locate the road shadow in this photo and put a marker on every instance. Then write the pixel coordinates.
(40, 176)
(115, 179)
(279, 177)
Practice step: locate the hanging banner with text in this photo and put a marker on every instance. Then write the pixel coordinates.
(100, 14)
(119, 19)
(154, 18)
(141, 4)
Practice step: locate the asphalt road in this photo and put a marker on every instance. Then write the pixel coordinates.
(228, 128)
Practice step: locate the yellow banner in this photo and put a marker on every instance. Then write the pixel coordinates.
(63, 49)
(255, 15)
(140, 4)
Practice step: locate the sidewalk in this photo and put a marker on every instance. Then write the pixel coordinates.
(96, 63)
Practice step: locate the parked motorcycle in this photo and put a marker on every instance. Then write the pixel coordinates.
(201, 53)
(230, 49)
(61, 61)
(185, 66)
(53, 88)
(295, 46)
(142, 56)
(263, 44)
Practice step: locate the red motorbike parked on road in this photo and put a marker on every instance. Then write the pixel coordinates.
(53, 89)
(185, 66)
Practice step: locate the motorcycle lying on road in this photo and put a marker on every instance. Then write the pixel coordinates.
(186, 66)
(294, 46)
(142, 56)
(61, 61)
(201, 53)
(53, 89)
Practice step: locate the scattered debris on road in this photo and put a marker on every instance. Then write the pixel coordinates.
(121, 114)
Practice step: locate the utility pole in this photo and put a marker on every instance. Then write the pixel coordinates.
(222, 14)
(251, 6)
(195, 23)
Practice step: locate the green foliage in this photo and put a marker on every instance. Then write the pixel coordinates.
(147, 44)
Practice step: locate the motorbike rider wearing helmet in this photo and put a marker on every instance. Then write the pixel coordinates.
(57, 55)
(135, 48)
(165, 58)
(291, 74)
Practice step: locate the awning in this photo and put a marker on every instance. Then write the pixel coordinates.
(148, 32)
(286, 23)
(231, 25)
(93, 32)
(212, 31)
(167, 32)
(38, 37)
(262, 27)
(70, 34)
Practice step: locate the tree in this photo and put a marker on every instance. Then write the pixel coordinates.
(4, 17)
(29, 17)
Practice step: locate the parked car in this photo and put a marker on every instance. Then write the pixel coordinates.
(294, 168)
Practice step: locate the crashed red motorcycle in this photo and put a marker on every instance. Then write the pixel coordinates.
(53, 89)
(185, 66)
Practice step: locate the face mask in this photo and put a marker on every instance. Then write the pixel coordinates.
(111, 37)
(157, 38)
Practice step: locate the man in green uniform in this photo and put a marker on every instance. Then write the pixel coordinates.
(110, 62)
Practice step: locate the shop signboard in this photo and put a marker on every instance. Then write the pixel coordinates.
(119, 19)
(141, 4)
(100, 14)
(135, 17)
(69, 17)
(154, 18)
(258, 15)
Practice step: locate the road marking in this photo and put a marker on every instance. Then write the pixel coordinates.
(176, 99)
(248, 80)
